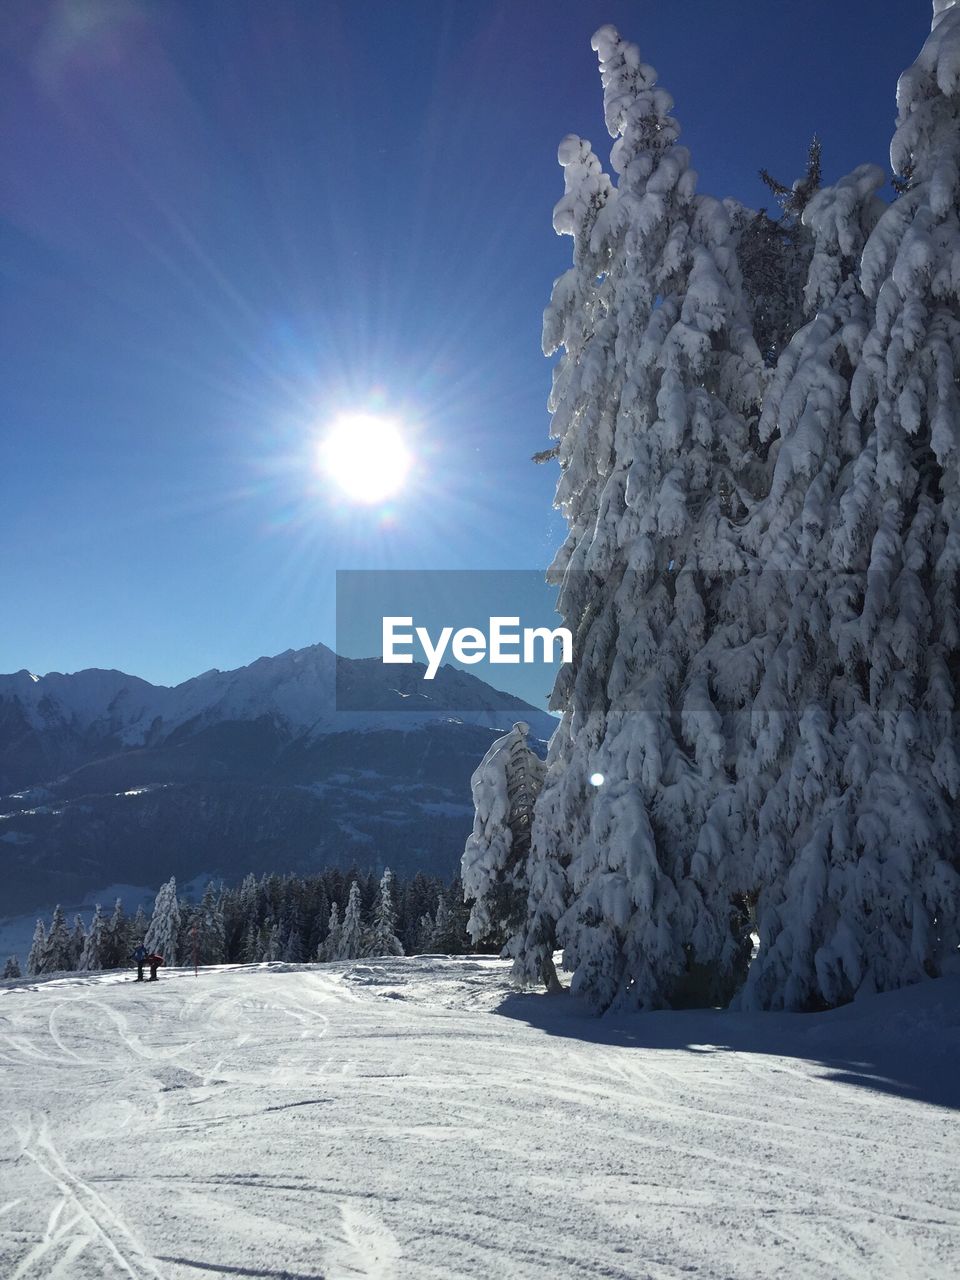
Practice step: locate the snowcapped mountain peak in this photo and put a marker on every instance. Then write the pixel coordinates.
(307, 690)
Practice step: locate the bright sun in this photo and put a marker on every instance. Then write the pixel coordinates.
(365, 455)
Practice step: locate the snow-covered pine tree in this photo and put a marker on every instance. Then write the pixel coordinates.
(424, 937)
(854, 770)
(350, 943)
(138, 929)
(505, 787)
(314, 940)
(271, 943)
(770, 660)
(331, 943)
(117, 944)
(163, 934)
(664, 384)
(211, 936)
(35, 954)
(292, 952)
(774, 256)
(12, 968)
(78, 940)
(449, 934)
(381, 938)
(96, 946)
(57, 948)
(250, 947)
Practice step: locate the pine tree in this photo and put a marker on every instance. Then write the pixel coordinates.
(78, 939)
(37, 947)
(314, 941)
(381, 938)
(653, 405)
(417, 899)
(12, 968)
(117, 943)
(293, 947)
(271, 943)
(96, 946)
(351, 931)
(58, 946)
(857, 863)
(163, 934)
(449, 935)
(494, 865)
(425, 936)
(138, 928)
(330, 945)
(250, 949)
(774, 256)
(211, 931)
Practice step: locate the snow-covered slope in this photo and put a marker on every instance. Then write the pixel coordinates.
(414, 1120)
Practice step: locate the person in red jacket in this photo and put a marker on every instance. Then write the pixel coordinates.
(154, 961)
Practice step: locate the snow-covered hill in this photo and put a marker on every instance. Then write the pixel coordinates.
(416, 1120)
(288, 764)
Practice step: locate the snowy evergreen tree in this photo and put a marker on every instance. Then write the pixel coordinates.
(381, 938)
(350, 943)
(117, 944)
(774, 256)
(652, 401)
(293, 947)
(768, 661)
(37, 946)
(97, 944)
(330, 945)
(211, 941)
(164, 931)
(424, 939)
(250, 949)
(271, 943)
(314, 940)
(494, 865)
(450, 922)
(856, 712)
(138, 929)
(78, 940)
(12, 968)
(58, 946)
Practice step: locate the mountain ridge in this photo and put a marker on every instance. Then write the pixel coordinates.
(290, 763)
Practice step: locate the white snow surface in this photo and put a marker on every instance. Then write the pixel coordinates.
(417, 1118)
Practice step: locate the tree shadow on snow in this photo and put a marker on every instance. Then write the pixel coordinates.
(905, 1043)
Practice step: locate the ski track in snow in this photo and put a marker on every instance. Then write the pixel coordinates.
(384, 1120)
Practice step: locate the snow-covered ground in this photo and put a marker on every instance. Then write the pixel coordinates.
(414, 1118)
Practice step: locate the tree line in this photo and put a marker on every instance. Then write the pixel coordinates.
(332, 915)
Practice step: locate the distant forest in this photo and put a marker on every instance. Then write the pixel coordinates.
(333, 915)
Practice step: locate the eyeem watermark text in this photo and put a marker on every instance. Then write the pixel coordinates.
(504, 642)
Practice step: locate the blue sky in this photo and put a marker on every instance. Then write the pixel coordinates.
(223, 222)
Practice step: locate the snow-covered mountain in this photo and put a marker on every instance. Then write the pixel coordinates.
(308, 690)
(296, 760)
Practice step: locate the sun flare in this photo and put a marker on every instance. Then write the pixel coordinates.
(366, 456)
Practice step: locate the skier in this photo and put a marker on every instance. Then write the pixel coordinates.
(154, 961)
(139, 956)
